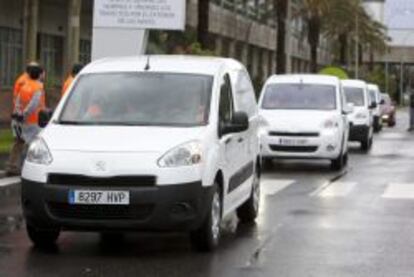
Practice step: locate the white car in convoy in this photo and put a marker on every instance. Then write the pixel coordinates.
(147, 143)
(304, 116)
(375, 99)
(361, 119)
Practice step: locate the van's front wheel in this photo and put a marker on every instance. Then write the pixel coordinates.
(207, 237)
(42, 238)
(248, 212)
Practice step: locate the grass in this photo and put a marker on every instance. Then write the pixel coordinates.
(6, 140)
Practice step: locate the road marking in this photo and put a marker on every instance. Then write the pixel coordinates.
(399, 191)
(272, 187)
(335, 189)
(9, 181)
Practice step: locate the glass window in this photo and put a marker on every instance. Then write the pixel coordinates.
(11, 53)
(355, 96)
(300, 96)
(85, 51)
(373, 95)
(51, 49)
(147, 99)
(226, 101)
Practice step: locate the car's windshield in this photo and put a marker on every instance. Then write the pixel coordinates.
(373, 95)
(299, 96)
(355, 96)
(163, 99)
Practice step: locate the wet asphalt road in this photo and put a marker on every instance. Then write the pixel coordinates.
(313, 222)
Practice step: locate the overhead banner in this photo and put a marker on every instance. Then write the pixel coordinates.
(140, 14)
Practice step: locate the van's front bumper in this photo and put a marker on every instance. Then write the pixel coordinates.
(176, 207)
(325, 145)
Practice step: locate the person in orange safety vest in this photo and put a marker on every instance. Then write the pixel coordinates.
(13, 165)
(75, 70)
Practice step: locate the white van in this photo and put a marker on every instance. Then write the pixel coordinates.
(305, 116)
(147, 143)
(375, 99)
(361, 120)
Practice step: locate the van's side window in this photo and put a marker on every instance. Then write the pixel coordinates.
(226, 107)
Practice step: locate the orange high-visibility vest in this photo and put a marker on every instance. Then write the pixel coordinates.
(26, 94)
(23, 78)
(67, 84)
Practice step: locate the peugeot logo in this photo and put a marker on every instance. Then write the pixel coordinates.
(100, 166)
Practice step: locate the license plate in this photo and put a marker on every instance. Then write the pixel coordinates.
(98, 197)
(292, 142)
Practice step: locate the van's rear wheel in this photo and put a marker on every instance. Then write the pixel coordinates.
(207, 237)
(248, 212)
(42, 238)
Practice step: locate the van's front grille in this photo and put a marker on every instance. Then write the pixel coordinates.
(100, 212)
(117, 181)
(292, 134)
(294, 149)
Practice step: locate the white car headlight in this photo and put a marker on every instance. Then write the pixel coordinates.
(361, 116)
(183, 155)
(39, 153)
(330, 123)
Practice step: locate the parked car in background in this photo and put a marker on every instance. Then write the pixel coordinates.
(388, 110)
(375, 98)
(361, 119)
(305, 116)
(160, 143)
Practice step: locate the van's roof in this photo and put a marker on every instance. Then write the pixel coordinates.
(354, 83)
(373, 87)
(305, 78)
(162, 63)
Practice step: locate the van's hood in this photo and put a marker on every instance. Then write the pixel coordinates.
(296, 120)
(117, 138)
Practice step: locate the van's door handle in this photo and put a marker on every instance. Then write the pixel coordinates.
(240, 140)
(227, 141)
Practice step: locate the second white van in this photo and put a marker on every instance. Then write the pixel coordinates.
(304, 116)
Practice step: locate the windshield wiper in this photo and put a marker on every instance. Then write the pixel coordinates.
(69, 122)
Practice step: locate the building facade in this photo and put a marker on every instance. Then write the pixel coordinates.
(58, 33)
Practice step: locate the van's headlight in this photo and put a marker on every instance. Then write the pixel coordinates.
(330, 124)
(39, 153)
(183, 155)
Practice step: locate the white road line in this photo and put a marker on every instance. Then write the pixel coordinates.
(272, 187)
(9, 181)
(335, 189)
(399, 191)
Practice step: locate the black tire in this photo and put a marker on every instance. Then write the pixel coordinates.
(267, 162)
(338, 163)
(207, 237)
(42, 238)
(366, 144)
(391, 123)
(248, 212)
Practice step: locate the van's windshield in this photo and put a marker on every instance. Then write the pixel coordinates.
(300, 97)
(148, 99)
(355, 96)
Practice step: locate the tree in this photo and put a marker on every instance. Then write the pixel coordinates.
(281, 7)
(313, 13)
(203, 23)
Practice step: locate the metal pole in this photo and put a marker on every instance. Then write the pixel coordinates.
(357, 49)
(387, 76)
(401, 82)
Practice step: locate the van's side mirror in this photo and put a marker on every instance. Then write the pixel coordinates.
(239, 123)
(349, 108)
(373, 105)
(44, 117)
